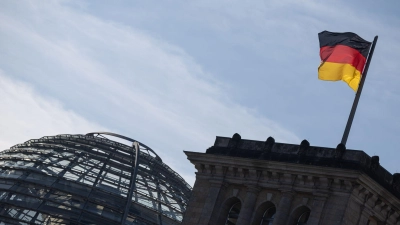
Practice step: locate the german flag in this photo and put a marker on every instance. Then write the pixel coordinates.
(343, 56)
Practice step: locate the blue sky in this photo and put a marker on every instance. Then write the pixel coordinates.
(175, 74)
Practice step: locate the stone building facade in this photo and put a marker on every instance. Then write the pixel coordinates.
(247, 182)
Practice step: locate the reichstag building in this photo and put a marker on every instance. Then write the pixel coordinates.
(106, 178)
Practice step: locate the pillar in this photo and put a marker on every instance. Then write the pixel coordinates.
(283, 210)
(248, 205)
(208, 208)
(316, 210)
(364, 217)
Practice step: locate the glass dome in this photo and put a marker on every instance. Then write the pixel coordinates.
(88, 179)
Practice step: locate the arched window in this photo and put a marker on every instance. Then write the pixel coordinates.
(233, 214)
(299, 216)
(268, 216)
(264, 214)
(303, 218)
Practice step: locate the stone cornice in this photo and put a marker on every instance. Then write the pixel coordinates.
(275, 175)
(316, 180)
(199, 159)
(304, 154)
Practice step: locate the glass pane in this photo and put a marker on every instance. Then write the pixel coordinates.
(303, 218)
(233, 214)
(268, 216)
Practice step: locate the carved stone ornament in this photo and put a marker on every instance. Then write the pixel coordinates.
(374, 163)
(339, 151)
(233, 144)
(235, 140)
(396, 182)
(269, 143)
(304, 145)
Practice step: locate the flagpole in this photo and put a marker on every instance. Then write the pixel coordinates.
(358, 94)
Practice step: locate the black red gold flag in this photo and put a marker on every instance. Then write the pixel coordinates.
(343, 56)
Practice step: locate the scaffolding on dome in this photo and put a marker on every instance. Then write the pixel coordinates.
(88, 179)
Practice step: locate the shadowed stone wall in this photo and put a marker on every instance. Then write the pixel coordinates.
(337, 186)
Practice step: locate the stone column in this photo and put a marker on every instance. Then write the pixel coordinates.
(283, 210)
(208, 208)
(364, 217)
(248, 205)
(316, 210)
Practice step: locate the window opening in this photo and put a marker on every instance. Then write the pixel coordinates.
(233, 214)
(303, 218)
(268, 216)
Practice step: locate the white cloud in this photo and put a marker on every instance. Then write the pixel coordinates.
(123, 79)
(27, 115)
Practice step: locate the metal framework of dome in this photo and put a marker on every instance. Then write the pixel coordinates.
(88, 179)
